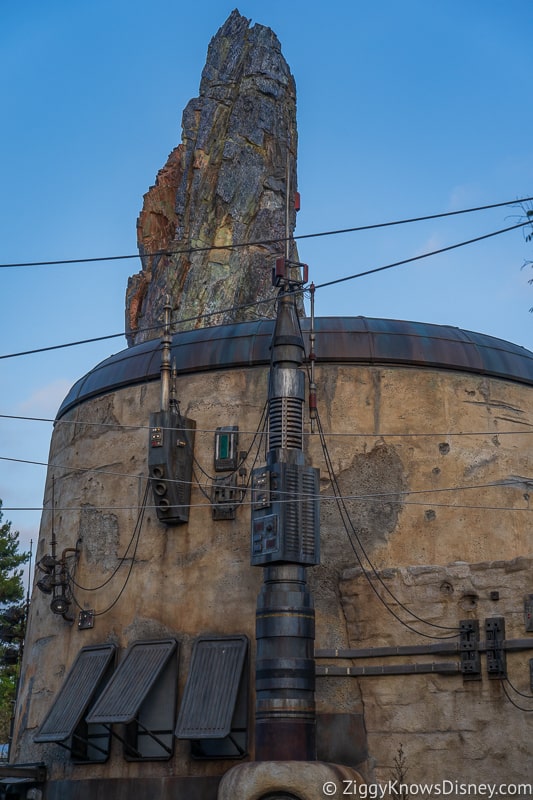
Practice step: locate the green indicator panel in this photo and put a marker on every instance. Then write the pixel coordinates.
(226, 448)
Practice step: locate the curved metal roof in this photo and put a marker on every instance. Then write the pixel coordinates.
(338, 340)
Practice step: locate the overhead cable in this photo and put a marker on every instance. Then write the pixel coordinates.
(508, 482)
(423, 255)
(245, 306)
(328, 434)
(264, 242)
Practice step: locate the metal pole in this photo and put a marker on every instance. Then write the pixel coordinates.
(166, 342)
(285, 540)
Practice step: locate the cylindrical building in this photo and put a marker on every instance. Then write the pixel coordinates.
(146, 685)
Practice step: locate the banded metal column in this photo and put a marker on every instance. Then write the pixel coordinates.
(285, 540)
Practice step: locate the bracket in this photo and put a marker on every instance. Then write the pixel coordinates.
(495, 636)
(86, 619)
(469, 650)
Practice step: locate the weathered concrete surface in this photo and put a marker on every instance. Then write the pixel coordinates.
(403, 442)
(223, 186)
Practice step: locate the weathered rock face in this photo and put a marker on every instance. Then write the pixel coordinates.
(222, 188)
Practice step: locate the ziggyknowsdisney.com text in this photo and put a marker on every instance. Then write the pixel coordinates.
(445, 788)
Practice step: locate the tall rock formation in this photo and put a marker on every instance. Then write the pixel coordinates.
(211, 227)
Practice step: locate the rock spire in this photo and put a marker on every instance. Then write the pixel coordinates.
(223, 187)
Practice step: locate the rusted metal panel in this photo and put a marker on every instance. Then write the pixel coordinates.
(130, 684)
(210, 694)
(76, 693)
(338, 340)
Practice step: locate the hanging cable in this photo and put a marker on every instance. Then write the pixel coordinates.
(260, 432)
(264, 242)
(520, 708)
(347, 523)
(132, 562)
(334, 497)
(345, 517)
(121, 561)
(245, 306)
(423, 255)
(328, 434)
(522, 694)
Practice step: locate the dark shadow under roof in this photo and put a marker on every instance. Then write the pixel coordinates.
(355, 340)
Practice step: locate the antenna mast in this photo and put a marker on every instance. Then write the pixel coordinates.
(285, 540)
(166, 343)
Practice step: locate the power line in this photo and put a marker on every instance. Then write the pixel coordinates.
(329, 434)
(264, 242)
(245, 306)
(206, 315)
(75, 344)
(510, 483)
(453, 506)
(424, 255)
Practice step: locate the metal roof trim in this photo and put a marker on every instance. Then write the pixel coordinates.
(76, 693)
(132, 680)
(356, 340)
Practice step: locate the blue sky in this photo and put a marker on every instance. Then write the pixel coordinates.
(404, 109)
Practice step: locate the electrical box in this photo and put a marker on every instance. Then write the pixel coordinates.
(170, 460)
(285, 515)
(226, 448)
(225, 498)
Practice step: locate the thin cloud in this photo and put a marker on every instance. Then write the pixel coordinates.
(45, 401)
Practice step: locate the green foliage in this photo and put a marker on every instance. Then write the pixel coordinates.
(8, 685)
(12, 619)
(11, 587)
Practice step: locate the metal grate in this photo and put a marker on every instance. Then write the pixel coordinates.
(285, 423)
(75, 695)
(121, 699)
(301, 513)
(212, 685)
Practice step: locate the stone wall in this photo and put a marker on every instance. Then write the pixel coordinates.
(449, 728)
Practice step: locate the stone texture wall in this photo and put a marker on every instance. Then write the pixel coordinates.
(449, 729)
(392, 435)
